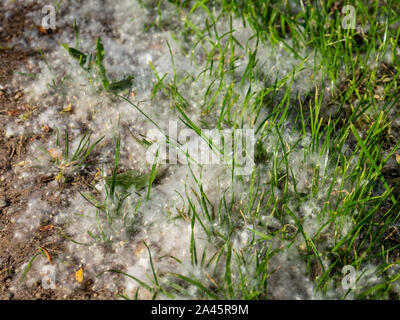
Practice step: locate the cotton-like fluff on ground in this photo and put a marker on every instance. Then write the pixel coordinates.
(195, 219)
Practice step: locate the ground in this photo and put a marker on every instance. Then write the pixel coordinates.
(14, 193)
(324, 183)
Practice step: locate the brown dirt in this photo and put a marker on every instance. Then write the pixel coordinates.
(15, 192)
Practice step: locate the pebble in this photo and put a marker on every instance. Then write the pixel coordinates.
(3, 203)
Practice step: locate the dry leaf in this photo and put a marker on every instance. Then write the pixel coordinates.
(398, 159)
(97, 176)
(212, 280)
(46, 228)
(79, 275)
(42, 30)
(47, 254)
(66, 109)
(46, 129)
(55, 153)
(26, 116)
(20, 164)
(60, 178)
(13, 113)
(139, 249)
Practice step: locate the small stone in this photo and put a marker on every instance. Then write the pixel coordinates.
(3, 203)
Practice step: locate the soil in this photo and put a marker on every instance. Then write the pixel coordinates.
(14, 191)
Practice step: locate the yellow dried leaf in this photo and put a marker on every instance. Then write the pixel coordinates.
(26, 115)
(97, 176)
(67, 108)
(60, 178)
(139, 249)
(397, 156)
(20, 164)
(398, 159)
(55, 153)
(79, 275)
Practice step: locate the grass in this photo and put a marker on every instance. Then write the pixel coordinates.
(346, 187)
(88, 60)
